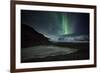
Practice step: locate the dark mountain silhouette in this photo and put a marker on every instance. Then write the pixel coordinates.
(30, 37)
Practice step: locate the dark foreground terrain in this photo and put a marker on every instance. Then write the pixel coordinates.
(55, 52)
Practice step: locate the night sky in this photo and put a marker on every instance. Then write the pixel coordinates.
(56, 23)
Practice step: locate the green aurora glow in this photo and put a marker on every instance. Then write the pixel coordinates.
(63, 23)
(65, 26)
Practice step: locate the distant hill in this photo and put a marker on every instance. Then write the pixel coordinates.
(74, 34)
(30, 37)
(72, 38)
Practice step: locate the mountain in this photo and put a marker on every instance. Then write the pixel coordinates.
(71, 38)
(30, 37)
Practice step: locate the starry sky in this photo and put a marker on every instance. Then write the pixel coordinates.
(56, 23)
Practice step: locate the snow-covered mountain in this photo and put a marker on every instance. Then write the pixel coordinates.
(72, 38)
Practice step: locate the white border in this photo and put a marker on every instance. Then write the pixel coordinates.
(56, 63)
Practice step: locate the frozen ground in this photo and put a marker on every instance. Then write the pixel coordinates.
(44, 51)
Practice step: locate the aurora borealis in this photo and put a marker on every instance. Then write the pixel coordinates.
(56, 23)
(65, 26)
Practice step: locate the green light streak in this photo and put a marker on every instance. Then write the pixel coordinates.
(65, 25)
